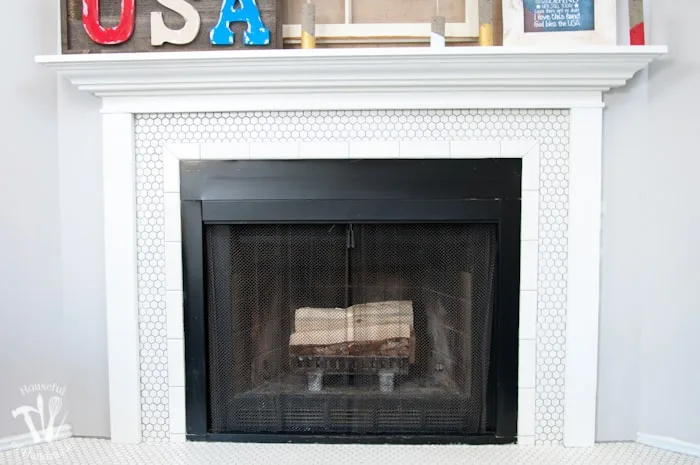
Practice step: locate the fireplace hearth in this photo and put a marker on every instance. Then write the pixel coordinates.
(372, 301)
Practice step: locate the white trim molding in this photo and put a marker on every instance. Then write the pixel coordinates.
(25, 440)
(583, 293)
(121, 288)
(670, 444)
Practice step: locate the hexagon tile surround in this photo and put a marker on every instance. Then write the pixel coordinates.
(550, 127)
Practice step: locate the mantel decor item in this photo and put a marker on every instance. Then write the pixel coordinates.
(559, 22)
(103, 26)
(485, 23)
(636, 9)
(437, 32)
(437, 28)
(308, 25)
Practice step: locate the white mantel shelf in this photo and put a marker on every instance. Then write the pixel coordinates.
(484, 77)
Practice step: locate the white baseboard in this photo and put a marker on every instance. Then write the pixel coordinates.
(24, 440)
(670, 444)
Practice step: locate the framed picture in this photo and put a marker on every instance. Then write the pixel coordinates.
(559, 22)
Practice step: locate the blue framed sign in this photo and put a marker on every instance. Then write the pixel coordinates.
(559, 22)
(558, 15)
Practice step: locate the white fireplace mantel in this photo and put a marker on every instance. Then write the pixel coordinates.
(359, 79)
(459, 77)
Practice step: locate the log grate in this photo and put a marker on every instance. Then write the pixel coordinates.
(349, 365)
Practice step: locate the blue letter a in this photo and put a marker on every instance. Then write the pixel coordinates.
(256, 34)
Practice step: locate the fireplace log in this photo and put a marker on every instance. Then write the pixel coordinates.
(373, 329)
(394, 347)
(393, 311)
(353, 318)
(367, 333)
(320, 319)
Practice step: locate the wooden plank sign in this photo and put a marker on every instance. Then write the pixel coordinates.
(99, 26)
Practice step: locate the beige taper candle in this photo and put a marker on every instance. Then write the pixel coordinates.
(308, 25)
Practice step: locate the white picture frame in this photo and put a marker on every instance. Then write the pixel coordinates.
(387, 33)
(604, 32)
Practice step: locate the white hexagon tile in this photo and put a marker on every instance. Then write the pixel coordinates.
(85, 451)
(549, 127)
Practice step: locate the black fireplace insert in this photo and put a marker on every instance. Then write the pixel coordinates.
(351, 301)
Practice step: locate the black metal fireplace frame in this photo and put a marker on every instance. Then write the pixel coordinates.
(354, 191)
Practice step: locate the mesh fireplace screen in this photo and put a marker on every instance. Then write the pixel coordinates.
(349, 329)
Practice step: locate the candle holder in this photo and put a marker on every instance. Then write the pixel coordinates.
(486, 23)
(636, 8)
(308, 25)
(437, 32)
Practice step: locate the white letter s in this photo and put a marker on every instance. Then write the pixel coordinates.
(161, 34)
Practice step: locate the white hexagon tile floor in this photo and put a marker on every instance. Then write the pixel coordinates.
(77, 451)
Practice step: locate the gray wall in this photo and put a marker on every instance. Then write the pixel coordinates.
(669, 253)
(649, 381)
(625, 117)
(618, 361)
(30, 327)
(51, 280)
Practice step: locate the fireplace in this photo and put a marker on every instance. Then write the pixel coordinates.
(407, 104)
(371, 300)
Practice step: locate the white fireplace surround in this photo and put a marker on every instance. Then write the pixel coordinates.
(458, 79)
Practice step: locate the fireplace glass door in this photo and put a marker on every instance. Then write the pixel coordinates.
(350, 328)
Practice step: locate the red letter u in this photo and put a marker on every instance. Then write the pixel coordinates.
(108, 35)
